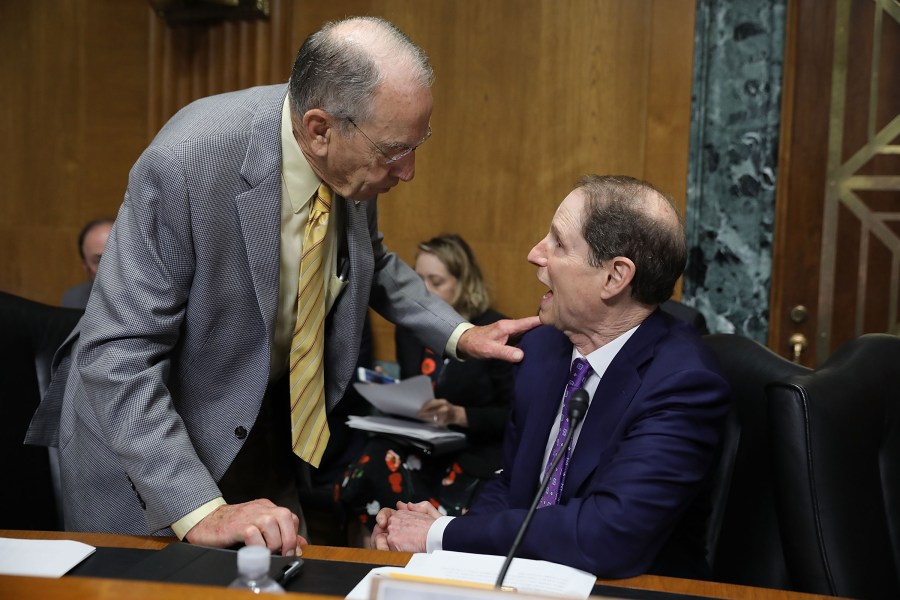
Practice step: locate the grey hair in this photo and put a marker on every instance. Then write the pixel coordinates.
(339, 74)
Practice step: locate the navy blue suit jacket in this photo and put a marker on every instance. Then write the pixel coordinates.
(643, 455)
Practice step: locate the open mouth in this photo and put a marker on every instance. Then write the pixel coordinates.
(546, 297)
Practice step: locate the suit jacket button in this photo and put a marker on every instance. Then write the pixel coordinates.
(240, 432)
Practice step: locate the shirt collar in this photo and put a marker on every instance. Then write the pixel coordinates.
(601, 358)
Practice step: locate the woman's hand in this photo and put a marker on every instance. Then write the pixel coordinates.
(441, 412)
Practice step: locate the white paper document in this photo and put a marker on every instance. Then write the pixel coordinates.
(362, 589)
(41, 558)
(527, 576)
(403, 398)
(418, 430)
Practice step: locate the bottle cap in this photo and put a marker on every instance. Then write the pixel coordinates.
(253, 561)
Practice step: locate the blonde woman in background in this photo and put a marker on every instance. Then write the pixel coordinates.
(472, 396)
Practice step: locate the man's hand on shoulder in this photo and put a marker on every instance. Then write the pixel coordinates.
(490, 341)
(258, 523)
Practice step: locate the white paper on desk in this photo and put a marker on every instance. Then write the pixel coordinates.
(362, 589)
(528, 576)
(421, 431)
(41, 558)
(403, 398)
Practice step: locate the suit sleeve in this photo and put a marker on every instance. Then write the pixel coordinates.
(129, 331)
(625, 511)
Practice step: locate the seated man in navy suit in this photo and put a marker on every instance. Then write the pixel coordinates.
(630, 496)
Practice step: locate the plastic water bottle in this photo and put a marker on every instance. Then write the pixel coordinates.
(253, 571)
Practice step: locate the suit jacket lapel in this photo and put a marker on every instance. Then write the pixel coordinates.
(610, 403)
(545, 385)
(259, 208)
(342, 328)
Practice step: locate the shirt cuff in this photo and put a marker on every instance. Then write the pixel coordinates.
(187, 522)
(450, 348)
(434, 541)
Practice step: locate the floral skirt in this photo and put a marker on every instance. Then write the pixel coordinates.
(388, 472)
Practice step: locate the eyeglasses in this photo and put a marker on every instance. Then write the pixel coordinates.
(400, 155)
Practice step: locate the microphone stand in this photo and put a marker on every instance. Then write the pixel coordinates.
(578, 404)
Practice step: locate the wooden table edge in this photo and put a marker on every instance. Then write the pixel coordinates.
(726, 591)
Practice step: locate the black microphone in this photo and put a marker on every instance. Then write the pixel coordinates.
(578, 405)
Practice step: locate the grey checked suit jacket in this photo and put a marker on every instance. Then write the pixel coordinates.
(174, 346)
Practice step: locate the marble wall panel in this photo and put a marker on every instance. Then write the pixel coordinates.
(739, 48)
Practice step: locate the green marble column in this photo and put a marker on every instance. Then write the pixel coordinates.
(735, 117)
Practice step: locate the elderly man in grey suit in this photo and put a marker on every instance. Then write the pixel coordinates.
(197, 382)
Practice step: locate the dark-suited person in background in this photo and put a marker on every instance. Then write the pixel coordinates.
(91, 242)
(198, 382)
(472, 396)
(628, 499)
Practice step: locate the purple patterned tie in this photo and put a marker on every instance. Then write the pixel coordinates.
(581, 370)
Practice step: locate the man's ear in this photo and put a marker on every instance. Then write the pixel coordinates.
(315, 127)
(619, 274)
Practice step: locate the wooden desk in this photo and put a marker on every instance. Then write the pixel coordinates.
(78, 588)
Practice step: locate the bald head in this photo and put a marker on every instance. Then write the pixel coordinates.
(341, 67)
(91, 243)
(629, 217)
(392, 52)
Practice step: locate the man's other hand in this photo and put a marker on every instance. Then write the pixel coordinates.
(404, 529)
(378, 540)
(255, 523)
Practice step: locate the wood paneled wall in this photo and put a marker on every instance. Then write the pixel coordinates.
(529, 96)
(73, 105)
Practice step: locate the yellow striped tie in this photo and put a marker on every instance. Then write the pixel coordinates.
(309, 427)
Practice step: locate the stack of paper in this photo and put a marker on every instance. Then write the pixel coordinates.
(41, 558)
(526, 576)
(403, 398)
(413, 429)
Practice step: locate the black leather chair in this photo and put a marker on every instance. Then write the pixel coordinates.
(31, 334)
(743, 542)
(688, 314)
(836, 445)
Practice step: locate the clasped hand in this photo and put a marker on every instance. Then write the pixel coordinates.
(404, 529)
